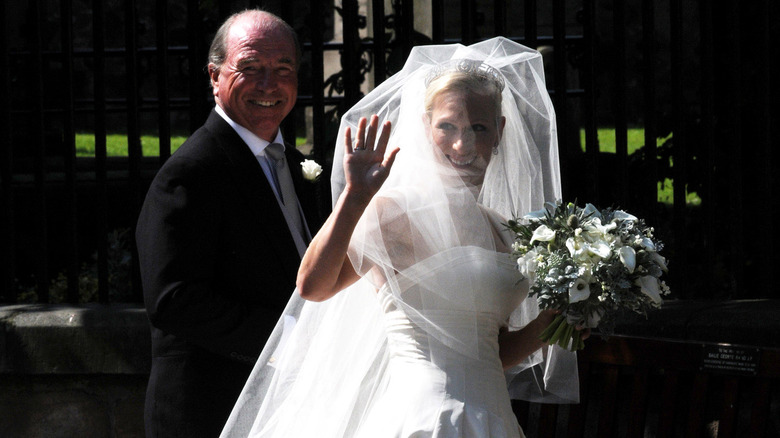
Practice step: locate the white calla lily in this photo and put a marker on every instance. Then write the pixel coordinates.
(647, 244)
(659, 260)
(543, 233)
(536, 214)
(628, 257)
(591, 210)
(602, 229)
(600, 249)
(579, 291)
(650, 287)
(594, 318)
(623, 216)
(572, 245)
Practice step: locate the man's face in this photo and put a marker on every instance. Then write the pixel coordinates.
(258, 83)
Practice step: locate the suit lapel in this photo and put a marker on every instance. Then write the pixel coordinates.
(306, 190)
(251, 182)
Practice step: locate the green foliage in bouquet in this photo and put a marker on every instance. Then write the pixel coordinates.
(588, 263)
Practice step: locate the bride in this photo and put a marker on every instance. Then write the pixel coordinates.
(413, 321)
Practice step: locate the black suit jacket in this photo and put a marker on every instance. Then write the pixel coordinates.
(218, 265)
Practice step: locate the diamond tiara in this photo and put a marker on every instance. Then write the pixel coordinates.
(472, 67)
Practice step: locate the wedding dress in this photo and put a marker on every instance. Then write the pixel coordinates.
(411, 349)
(432, 389)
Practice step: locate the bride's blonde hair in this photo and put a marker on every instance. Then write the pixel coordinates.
(463, 80)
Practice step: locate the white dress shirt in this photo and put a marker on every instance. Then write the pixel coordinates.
(257, 145)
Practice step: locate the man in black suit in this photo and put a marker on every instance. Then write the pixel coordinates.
(220, 236)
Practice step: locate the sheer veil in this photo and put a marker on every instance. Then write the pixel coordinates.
(324, 364)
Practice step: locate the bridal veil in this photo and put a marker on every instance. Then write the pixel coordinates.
(324, 363)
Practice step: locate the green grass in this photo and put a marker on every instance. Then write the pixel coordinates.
(116, 145)
(636, 139)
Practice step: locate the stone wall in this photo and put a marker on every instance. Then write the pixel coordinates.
(81, 371)
(73, 371)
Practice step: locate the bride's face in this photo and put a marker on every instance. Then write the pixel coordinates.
(465, 127)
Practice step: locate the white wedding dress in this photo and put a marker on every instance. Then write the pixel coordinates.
(442, 387)
(411, 348)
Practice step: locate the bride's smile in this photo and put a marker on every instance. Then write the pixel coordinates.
(465, 126)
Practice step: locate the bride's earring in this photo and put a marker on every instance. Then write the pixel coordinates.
(495, 149)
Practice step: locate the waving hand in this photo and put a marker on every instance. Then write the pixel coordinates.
(366, 166)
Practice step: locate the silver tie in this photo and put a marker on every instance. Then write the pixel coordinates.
(284, 185)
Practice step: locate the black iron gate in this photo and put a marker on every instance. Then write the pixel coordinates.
(690, 83)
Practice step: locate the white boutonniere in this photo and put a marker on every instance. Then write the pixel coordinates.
(311, 170)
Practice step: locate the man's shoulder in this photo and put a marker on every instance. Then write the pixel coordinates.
(206, 144)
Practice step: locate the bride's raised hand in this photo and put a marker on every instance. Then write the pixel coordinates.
(366, 165)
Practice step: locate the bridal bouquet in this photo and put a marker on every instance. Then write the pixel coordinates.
(589, 264)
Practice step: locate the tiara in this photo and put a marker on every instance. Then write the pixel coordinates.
(478, 69)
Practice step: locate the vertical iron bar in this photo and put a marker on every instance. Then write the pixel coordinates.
(285, 12)
(589, 112)
(351, 55)
(680, 148)
(437, 15)
(39, 142)
(380, 42)
(224, 10)
(407, 18)
(467, 21)
(197, 105)
(69, 152)
(7, 249)
(499, 17)
(650, 193)
(318, 99)
(318, 80)
(559, 96)
(101, 183)
(733, 141)
(133, 125)
(163, 94)
(708, 138)
(621, 135)
(530, 25)
(764, 271)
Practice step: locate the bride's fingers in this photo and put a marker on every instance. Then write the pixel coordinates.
(384, 136)
(348, 140)
(371, 134)
(361, 134)
(390, 158)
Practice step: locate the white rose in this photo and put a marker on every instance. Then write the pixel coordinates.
(311, 170)
(528, 264)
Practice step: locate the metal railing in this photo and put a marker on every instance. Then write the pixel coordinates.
(637, 387)
(692, 80)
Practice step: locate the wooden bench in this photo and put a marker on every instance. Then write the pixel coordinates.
(639, 387)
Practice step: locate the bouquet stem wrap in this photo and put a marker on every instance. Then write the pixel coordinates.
(563, 334)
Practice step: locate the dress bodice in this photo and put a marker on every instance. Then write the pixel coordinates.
(442, 319)
(460, 297)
